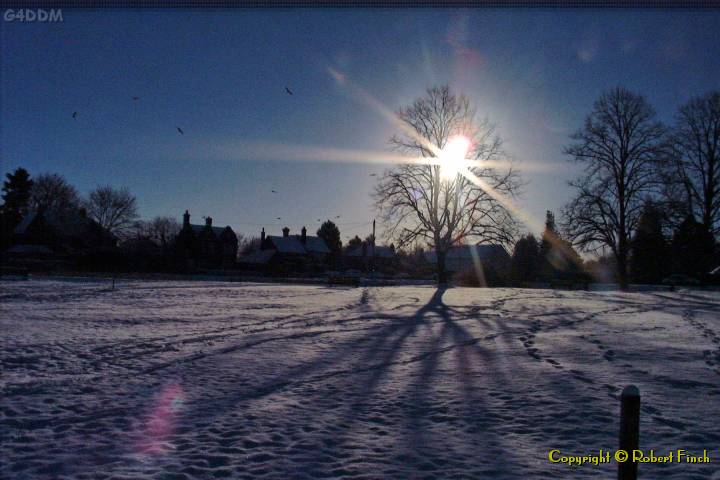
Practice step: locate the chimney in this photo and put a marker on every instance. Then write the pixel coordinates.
(303, 235)
(262, 236)
(186, 220)
(286, 232)
(208, 222)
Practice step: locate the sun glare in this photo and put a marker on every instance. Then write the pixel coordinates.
(452, 157)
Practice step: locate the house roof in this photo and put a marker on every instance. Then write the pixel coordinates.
(258, 257)
(70, 223)
(199, 228)
(314, 244)
(287, 244)
(293, 244)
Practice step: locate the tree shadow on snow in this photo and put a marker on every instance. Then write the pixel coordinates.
(391, 383)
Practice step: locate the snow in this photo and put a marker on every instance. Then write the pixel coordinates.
(208, 379)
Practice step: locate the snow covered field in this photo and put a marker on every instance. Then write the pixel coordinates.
(204, 380)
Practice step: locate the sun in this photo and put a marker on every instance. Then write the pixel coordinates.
(452, 157)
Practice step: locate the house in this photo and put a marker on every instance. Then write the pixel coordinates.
(258, 259)
(367, 256)
(491, 262)
(69, 239)
(60, 232)
(205, 245)
(288, 253)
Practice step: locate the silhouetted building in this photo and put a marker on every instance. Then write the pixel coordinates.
(205, 245)
(367, 256)
(61, 240)
(66, 232)
(289, 253)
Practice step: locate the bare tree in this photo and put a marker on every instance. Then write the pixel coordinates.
(621, 147)
(162, 229)
(138, 229)
(419, 201)
(115, 210)
(51, 192)
(697, 140)
(249, 245)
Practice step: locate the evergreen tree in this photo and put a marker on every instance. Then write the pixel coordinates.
(16, 197)
(549, 237)
(649, 249)
(525, 260)
(558, 258)
(692, 248)
(329, 232)
(16, 193)
(354, 242)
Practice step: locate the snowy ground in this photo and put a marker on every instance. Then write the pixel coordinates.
(205, 380)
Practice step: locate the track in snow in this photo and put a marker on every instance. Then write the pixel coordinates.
(206, 380)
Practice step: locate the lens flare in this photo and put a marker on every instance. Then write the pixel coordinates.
(477, 264)
(452, 157)
(455, 151)
(159, 425)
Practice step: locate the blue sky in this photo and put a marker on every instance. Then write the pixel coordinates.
(220, 76)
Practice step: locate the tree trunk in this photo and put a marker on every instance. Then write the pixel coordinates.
(623, 235)
(441, 273)
(622, 269)
(707, 211)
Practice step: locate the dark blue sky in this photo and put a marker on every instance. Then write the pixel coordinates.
(220, 76)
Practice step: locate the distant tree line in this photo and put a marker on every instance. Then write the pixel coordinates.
(649, 193)
(647, 203)
(552, 259)
(113, 209)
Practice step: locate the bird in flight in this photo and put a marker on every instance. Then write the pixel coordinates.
(337, 216)
(289, 92)
(279, 218)
(373, 174)
(136, 98)
(75, 114)
(273, 191)
(180, 130)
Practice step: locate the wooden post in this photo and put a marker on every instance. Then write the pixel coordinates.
(629, 431)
